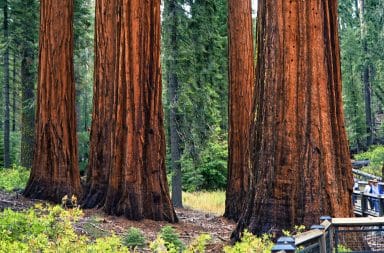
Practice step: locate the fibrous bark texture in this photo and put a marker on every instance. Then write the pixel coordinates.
(300, 158)
(241, 83)
(55, 171)
(102, 131)
(137, 184)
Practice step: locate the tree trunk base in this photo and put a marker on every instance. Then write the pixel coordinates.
(37, 189)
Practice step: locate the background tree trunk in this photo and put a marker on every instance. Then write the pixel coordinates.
(102, 130)
(137, 184)
(7, 158)
(366, 76)
(28, 29)
(241, 83)
(301, 166)
(55, 170)
(173, 95)
(14, 93)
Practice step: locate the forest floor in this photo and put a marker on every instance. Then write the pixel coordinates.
(95, 223)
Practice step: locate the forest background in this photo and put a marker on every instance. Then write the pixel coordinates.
(196, 106)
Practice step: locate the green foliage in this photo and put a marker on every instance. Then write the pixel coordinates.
(49, 230)
(297, 229)
(211, 172)
(198, 58)
(133, 238)
(83, 150)
(342, 248)
(251, 243)
(199, 244)
(171, 239)
(376, 156)
(14, 178)
(361, 49)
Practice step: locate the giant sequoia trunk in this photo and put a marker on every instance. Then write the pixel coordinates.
(300, 157)
(241, 82)
(55, 171)
(101, 139)
(137, 183)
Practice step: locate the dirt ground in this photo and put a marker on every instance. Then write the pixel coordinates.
(95, 223)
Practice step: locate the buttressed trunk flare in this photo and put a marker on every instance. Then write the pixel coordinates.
(138, 185)
(55, 171)
(301, 167)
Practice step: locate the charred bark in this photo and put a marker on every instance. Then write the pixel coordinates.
(102, 130)
(241, 83)
(55, 171)
(138, 185)
(300, 158)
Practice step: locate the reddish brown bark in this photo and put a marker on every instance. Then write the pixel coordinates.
(137, 184)
(301, 166)
(55, 171)
(241, 83)
(101, 138)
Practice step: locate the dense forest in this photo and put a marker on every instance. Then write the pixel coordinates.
(143, 99)
(195, 77)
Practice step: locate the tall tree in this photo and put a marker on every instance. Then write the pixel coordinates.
(366, 75)
(102, 131)
(241, 83)
(171, 24)
(55, 171)
(27, 21)
(138, 185)
(301, 167)
(7, 160)
(14, 92)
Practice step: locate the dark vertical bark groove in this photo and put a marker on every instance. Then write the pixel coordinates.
(241, 83)
(102, 129)
(138, 185)
(300, 157)
(55, 171)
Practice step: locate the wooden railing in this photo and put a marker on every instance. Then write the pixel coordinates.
(364, 234)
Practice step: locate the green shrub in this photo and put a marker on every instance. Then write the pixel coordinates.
(199, 244)
(210, 172)
(49, 230)
(376, 156)
(251, 243)
(134, 238)
(14, 178)
(171, 238)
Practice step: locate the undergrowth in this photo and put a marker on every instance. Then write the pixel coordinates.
(49, 229)
(14, 178)
(210, 202)
(375, 155)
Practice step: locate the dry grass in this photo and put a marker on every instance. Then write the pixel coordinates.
(209, 202)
